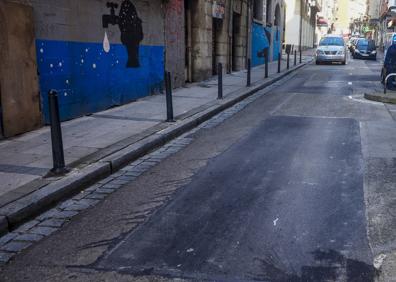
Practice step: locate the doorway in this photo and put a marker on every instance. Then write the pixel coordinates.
(20, 96)
(188, 41)
(236, 44)
(216, 28)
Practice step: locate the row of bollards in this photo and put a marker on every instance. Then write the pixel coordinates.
(58, 157)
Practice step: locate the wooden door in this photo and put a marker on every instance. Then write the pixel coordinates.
(20, 99)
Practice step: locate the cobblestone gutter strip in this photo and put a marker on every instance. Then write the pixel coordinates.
(25, 208)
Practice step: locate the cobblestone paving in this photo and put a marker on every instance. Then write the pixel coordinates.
(52, 220)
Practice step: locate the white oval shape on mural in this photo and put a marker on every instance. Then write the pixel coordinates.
(106, 43)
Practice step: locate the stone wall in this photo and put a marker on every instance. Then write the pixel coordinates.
(203, 38)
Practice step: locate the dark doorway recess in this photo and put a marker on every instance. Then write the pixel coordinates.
(188, 40)
(216, 26)
(236, 30)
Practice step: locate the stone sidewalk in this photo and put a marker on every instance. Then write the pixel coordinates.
(26, 160)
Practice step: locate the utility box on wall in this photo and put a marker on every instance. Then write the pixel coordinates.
(19, 91)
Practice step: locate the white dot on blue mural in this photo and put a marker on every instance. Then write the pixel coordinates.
(60, 64)
(41, 50)
(65, 93)
(94, 66)
(82, 61)
(51, 65)
(86, 50)
(67, 81)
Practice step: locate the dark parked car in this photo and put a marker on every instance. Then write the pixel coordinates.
(389, 66)
(365, 49)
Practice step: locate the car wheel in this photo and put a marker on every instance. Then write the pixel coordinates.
(317, 62)
(343, 62)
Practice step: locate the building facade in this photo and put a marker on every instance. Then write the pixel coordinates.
(352, 17)
(98, 54)
(301, 19)
(326, 19)
(216, 32)
(373, 12)
(387, 23)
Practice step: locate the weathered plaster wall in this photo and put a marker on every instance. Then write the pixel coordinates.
(18, 75)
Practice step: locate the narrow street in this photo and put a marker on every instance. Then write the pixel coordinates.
(281, 187)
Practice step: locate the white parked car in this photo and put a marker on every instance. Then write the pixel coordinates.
(331, 49)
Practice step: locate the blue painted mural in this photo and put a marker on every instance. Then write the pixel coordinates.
(90, 80)
(259, 43)
(261, 38)
(276, 43)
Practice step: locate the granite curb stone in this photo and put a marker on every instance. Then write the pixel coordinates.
(381, 97)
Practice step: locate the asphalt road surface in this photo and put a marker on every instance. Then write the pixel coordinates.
(273, 193)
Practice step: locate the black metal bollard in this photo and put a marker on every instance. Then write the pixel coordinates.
(220, 81)
(169, 102)
(266, 62)
(56, 135)
(279, 62)
(295, 57)
(288, 60)
(249, 69)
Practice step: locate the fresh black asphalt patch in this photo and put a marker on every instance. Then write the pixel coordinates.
(283, 204)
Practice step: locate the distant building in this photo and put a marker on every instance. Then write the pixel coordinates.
(301, 18)
(351, 16)
(326, 19)
(387, 20)
(373, 12)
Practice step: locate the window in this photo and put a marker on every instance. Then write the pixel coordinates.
(331, 41)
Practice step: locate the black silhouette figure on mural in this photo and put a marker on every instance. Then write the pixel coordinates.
(130, 27)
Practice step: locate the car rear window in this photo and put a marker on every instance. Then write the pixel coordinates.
(331, 41)
(366, 43)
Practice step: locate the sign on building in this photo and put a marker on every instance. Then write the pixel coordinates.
(218, 9)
